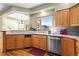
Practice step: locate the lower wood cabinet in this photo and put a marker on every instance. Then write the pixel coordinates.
(39, 41)
(35, 42)
(10, 42)
(42, 43)
(17, 41)
(77, 48)
(20, 41)
(14, 41)
(68, 47)
(28, 42)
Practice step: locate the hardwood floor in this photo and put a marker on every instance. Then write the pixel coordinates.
(1, 44)
(16, 53)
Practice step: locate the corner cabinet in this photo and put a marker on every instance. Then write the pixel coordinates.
(68, 47)
(39, 41)
(74, 15)
(62, 18)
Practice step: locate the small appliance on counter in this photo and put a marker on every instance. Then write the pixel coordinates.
(64, 31)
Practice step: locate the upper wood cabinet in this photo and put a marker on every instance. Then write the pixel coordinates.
(74, 15)
(68, 47)
(62, 18)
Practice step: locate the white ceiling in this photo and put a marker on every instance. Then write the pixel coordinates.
(4, 6)
(19, 16)
(25, 5)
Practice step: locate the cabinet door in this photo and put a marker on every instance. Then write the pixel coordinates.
(62, 18)
(20, 41)
(35, 42)
(77, 48)
(28, 42)
(67, 47)
(39, 41)
(10, 42)
(74, 15)
(65, 17)
(43, 44)
(57, 21)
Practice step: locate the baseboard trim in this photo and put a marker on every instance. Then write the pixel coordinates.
(49, 53)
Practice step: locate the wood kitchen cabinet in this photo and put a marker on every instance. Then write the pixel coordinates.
(20, 41)
(10, 42)
(68, 47)
(57, 21)
(28, 42)
(39, 41)
(74, 15)
(42, 43)
(62, 18)
(77, 47)
(35, 42)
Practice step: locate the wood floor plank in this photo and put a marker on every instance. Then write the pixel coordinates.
(26, 53)
(20, 53)
(9, 54)
(3, 54)
(16, 53)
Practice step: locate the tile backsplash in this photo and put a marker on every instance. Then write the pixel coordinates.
(74, 30)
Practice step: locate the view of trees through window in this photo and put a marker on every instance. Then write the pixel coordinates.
(46, 23)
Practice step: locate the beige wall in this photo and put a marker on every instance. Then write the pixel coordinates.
(14, 24)
(0, 23)
(9, 23)
(42, 14)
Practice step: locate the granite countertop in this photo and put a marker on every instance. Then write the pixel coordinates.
(68, 36)
(58, 35)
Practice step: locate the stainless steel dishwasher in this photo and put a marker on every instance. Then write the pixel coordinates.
(54, 44)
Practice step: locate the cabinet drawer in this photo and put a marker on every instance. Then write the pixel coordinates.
(10, 36)
(39, 36)
(19, 36)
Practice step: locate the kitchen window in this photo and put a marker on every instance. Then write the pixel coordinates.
(47, 23)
